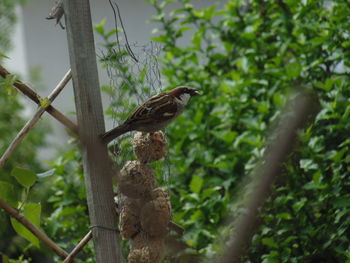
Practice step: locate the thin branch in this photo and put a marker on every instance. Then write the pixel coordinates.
(128, 48)
(88, 237)
(79, 247)
(60, 86)
(20, 136)
(36, 98)
(34, 229)
(265, 175)
(115, 24)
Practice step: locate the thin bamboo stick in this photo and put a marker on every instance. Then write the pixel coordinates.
(36, 98)
(34, 229)
(23, 132)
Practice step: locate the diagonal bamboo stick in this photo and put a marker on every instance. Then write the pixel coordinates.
(79, 247)
(20, 136)
(36, 98)
(88, 237)
(34, 229)
(265, 175)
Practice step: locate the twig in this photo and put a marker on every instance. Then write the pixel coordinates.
(125, 35)
(88, 237)
(127, 45)
(116, 25)
(79, 247)
(265, 176)
(36, 98)
(20, 136)
(34, 229)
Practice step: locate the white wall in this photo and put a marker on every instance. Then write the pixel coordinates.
(17, 57)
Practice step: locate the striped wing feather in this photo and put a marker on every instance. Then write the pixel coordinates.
(159, 108)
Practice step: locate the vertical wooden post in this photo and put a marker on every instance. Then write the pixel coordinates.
(97, 167)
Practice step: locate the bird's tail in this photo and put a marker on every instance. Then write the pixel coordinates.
(114, 133)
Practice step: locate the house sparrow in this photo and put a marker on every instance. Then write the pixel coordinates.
(154, 114)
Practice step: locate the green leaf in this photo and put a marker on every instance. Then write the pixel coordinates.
(270, 260)
(197, 39)
(5, 258)
(3, 55)
(31, 212)
(9, 81)
(210, 191)
(197, 215)
(308, 164)
(270, 242)
(293, 70)
(317, 178)
(342, 202)
(7, 193)
(24, 176)
(298, 205)
(161, 39)
(284, 215)
(196, 184)
(100, 26)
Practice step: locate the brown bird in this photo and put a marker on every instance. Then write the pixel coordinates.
(154, 114)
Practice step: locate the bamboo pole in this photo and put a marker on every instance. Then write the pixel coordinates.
(265, 175)
(97, 166)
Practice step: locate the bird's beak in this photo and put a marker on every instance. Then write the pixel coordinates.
(195, 92)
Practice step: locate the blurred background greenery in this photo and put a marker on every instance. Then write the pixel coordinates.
(246, 57)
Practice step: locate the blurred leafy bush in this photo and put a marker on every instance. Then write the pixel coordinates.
(14, 187)
(247, 57)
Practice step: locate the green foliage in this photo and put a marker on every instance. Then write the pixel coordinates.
(32, 212)
(20, 259)
(23, 159)
(7, 21)
(246, 60)
(18, 197)
(7, 192)
(22, 163)
(68, 219)
(24, 176)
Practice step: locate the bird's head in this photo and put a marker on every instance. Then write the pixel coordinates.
(184, 93)
(184, 90)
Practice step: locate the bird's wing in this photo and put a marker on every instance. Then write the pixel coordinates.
(158, 108)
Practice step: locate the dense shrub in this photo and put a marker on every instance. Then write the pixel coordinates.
(246, 58)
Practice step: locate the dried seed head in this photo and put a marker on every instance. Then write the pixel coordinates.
(156, 214)
(136, 180)
(150, 147)
(129, 218)
(139, 256)
(154, 246)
